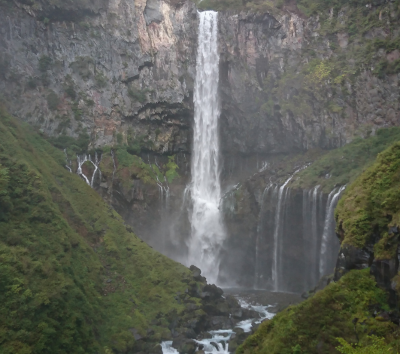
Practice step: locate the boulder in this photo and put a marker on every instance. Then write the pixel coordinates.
(184, 345)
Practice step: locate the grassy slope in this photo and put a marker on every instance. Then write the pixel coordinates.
(314, 325)
(73, 279)
(372, 204)
(345, 164)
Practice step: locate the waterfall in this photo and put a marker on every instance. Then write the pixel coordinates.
(259, 233)
(68, 162)
(329, 228)
(313, 252)
(87, 158)
(207, 230)
(277, 232)
(96, 164)
(81, 160)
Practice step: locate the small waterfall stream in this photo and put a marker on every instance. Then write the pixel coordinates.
(207, 230)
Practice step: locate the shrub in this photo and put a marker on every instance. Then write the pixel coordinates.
(52, 100)
(44, 63)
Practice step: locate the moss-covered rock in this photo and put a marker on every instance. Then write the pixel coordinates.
(368, 217)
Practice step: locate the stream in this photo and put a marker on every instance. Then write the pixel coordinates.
(265, 303)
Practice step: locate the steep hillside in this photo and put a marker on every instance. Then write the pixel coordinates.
(74, 278)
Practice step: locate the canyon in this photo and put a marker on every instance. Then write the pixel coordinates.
(213, 170)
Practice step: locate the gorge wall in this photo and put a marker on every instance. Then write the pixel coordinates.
(123, 72)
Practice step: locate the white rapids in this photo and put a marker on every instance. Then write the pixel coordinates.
(219, 341)
(207, 229)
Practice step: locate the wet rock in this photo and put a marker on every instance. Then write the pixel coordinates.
(232, 302)
(221, 322)
(196, 272)
(237, 339)
(351, 258)
(215, 345)
(184, 345)
(217, 308)
(237, 313)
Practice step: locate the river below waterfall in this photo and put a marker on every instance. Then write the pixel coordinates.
(265, 303)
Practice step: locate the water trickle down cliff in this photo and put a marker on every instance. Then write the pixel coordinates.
(296, 243)
(207, 230)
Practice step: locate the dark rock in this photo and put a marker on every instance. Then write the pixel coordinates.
(384, 271)
(221, 322)
(218, 308)
(152, 12)
(232, 302)
(195, 271)
(135, 334)
(184, 345)
(350, 258)
(237, 313)
(212, 291)
(215, 345)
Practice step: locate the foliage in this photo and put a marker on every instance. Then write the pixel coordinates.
(343, 309)
(132, 165)
(138, 95)
(73, 278)
(342, 166)
(377, 346)
(69, 87)
(52, 100)
(83, 67)
(45, 63)
(4, 178)
(101, 80)
(171, 169)
(77, 146)
(371, 205)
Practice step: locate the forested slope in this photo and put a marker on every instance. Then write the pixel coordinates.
(74, 279)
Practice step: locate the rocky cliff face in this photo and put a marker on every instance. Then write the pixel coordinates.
(126, 70)
(271, 103)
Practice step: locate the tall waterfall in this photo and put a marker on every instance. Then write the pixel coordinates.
(207, 230)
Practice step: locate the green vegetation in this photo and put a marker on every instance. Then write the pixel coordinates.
(371, 205)
(75, 146)
(45, 63)
(69, 87)
(101, 80)
(376, 346)
(52, 100)
(73, 278)
(240, 5)
(342, 166)
(138, 95)
(343, 309)
(83, 67)
(132, 166)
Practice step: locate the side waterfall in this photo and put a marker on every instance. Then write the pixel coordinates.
(207, 230)
(296, 243)
(329, 229)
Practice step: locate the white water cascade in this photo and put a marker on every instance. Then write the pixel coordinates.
(207, 230)
(329, 226)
